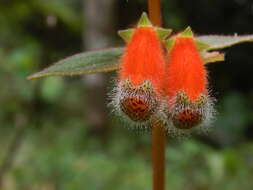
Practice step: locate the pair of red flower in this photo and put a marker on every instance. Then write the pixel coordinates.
(163, 80)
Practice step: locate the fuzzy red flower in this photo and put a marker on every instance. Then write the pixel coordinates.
(186, 69)
(143, 59)
(141, 75)
(189, 104)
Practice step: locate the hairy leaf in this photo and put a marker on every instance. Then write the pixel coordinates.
(216, 42)
(211, 57)
(84, 63)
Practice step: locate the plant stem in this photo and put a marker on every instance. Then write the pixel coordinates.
(158, 133)
(154, 10)
(158, 156)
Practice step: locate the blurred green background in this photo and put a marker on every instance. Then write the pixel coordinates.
(57, 134)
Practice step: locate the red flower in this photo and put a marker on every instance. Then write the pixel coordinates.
(141, 76)
(189, 104)
(143, 59)
(186, 70)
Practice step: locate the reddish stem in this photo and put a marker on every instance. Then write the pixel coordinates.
(158, 157)
(154, 9)
(158, 133)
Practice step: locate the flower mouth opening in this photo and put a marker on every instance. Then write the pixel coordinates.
(186, 113)
(137, 108)
(139, 103)
(187, 118)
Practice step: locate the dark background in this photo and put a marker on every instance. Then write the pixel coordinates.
(57, 134)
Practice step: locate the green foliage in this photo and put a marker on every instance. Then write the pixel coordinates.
(220, 42)
(59, 149)
(231, 124)
(71, 160)
(84, 63)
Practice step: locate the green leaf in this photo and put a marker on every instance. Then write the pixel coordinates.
(84, 63)
(211, 57)
(201, 45)
(219, 42)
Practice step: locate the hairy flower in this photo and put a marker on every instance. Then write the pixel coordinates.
(143, 59)
(141, 76)
(189, 102)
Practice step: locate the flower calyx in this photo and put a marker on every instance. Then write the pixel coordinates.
(144, 21)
